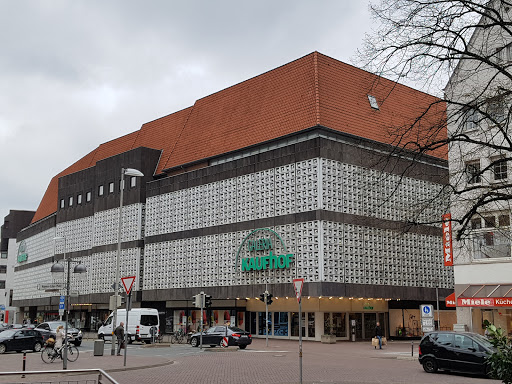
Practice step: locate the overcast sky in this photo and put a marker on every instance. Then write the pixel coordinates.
(77, 73)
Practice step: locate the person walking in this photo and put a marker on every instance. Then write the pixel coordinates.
(378, 334)
(119, 332)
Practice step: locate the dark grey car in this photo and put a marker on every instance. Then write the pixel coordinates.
(454, 351)
(214, 336)
(48, 329)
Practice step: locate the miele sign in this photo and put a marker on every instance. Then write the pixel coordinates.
(484, 302)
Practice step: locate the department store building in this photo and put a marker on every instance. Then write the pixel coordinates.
(290, 174)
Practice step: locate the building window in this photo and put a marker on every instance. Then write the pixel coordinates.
(500, 169)
(504, 220)
(2, 284)
(504, 54)
(61, 203)
(493, 239)
(88, 196)
(476, 223)
(133, 181)
(79, 199)
(100, 190)
(111, 187)
(473, 172)
(3, 255)
(3, 268)
(471, 119)
(373, 102)
(496, 109)
(71, 201)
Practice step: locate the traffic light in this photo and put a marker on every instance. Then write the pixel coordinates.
(197, 300)
(269, 298)
(262, 297)
(207, 301)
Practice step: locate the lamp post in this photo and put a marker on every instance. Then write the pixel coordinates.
(124, 172)
(58, 268)
(437, 302)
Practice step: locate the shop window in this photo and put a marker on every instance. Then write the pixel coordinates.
(261, 323)
(311, 324)
(88, 196)
(294, 324)
(2, 284)
(473, 173)
(280, 323)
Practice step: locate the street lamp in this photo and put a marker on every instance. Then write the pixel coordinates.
(436, 281)
(124, 172)
(58, 269)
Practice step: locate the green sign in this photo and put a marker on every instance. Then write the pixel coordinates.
(22, 252)
(262, 244)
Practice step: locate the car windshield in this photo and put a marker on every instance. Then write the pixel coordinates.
(54, 326)
(8, 333)
(482, 340)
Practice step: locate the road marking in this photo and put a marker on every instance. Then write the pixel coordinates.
(256, 351)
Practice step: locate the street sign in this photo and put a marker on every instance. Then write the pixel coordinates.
(61, 304)
(297, 286)
(51, 286)
(2, 307)
(128, 283)
(427, 318)
(427, 310)
(74, 293)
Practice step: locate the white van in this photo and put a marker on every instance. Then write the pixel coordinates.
(140, 322)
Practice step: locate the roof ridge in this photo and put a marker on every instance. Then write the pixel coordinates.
(317, 91)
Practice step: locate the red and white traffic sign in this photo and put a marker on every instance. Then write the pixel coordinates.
(128, 283)
(297, 286)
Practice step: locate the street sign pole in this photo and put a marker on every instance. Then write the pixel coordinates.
(266, 314)
(300, 339)
(128, 306)
(201, 321)
(298, 284)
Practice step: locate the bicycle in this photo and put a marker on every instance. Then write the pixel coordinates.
(178, 337)
(49, 353)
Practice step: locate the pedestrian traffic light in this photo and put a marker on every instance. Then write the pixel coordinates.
(207, 301)
(269, 298)
(262, 297)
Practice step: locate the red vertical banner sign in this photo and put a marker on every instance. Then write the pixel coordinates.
(447, 240)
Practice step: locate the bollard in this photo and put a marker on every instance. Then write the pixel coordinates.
(24, 362)
(412, 348)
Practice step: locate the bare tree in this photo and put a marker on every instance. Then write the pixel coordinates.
(460, 51)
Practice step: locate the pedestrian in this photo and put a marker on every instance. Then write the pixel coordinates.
(59, 337)
(378, 334)
(119, 332)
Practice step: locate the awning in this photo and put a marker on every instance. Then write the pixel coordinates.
(486, 295)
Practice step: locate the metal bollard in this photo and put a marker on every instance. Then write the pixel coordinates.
(412, 348)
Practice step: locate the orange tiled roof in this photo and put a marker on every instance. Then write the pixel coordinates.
(313, 90)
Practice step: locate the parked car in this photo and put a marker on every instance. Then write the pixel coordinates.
(454, 351)
(49, 329)
(20, 340)
(214, 335)
(16, 326)
(4, 326)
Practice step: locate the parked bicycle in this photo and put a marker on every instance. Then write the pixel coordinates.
(178, 337)
(49, 353)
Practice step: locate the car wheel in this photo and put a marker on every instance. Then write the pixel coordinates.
(242, 346)
(2, 348)
(101, 336)
(194, 342)
(430, 365)
(37, 346)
